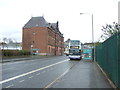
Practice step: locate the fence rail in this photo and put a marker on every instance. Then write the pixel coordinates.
(108, 57)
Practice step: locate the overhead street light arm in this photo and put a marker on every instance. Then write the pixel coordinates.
(81, 13)
(85, 13)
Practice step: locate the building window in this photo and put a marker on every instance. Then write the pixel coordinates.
(34, 33)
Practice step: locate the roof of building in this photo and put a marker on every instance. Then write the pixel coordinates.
(36, 22)
(88, 43)
(54, 26)
(41, 22)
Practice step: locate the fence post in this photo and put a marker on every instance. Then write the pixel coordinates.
(118, 57)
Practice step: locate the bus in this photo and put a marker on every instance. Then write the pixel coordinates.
(75, 50)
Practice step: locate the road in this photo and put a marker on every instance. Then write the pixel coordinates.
(37, 73)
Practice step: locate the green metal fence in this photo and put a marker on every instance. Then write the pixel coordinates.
(108, 57)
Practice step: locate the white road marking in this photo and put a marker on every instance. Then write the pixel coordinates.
(24, 74)
(8, 68)
(48, 70)
(32, 64)
(51, 69)
(31, 77)
(38, 74)
(10, 86)
(12, 63)
(43, 71)
(18, 62)
(21, 81)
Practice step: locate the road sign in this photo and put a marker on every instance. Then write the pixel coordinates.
(35, 49)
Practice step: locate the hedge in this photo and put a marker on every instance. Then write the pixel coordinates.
(15, 52)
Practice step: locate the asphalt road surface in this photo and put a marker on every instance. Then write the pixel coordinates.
(52, 72)
(37, 73)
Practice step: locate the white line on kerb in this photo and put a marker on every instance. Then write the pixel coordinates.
(7, 80)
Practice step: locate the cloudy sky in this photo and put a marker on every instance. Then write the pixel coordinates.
(16, 13)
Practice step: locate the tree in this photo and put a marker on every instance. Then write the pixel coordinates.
(97, 43)
(5, 40)
(109, 30)
(10, 41)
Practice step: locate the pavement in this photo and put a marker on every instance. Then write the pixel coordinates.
(85, 74)
(22, 58)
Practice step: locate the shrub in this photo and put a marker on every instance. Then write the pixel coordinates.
(15, 52)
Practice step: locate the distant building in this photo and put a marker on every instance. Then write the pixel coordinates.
(42, 38)
(66, 47)
(87, 45)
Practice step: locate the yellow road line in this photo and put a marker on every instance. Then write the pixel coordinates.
(57, 79)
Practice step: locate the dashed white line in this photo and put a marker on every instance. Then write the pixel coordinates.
(7, 68)
(10, 86)
(51, 69)
(32, 63)
(21, 81)
(13, 63)
(48, 70)
(38, 74)
(31, 77)
(43, 71)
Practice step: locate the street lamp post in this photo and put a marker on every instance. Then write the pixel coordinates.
(92, 33)
(31, 50)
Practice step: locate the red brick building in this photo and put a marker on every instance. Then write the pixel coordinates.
(42, 38)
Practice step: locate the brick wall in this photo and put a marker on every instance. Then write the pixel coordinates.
(43, 38)
(36, 36)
